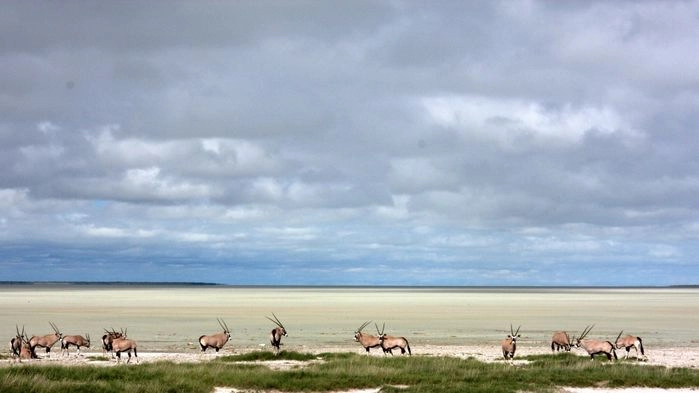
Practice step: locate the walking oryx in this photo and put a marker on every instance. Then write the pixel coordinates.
(275, 337)
(123, 344)
(389, 343)
(46, 341)
(217, 340)
(560, 340)
(78, 341)
(593, 347)
(629, 342)
(367, 340)
(509, 345)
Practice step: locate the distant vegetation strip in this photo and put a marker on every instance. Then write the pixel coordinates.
(344, 371)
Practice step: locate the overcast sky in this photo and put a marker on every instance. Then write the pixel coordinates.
(350, 142)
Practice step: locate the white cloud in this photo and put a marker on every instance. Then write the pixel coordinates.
(506, 120)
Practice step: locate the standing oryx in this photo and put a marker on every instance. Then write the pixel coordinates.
(46, 341)
(509, 345)
(217, 340)
(389, 343)
(123, 344)
(593, 347)
(108, 339)
(629, 342)
(275, 337)
(78, 341)
(367, 340)
(560, 339)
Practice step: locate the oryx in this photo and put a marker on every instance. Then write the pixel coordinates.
(16, 342)
(19, 345)
(560, 339)
(275, 336)
(389, 343)
(509, 345)
(593, 346)
(78, 341)
(108, 338)
(46, 341)
(629, 342)
(123, 344)
(216, 340)
(367, 340)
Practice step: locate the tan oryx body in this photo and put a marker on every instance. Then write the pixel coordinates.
(217, 340)
(108, 338)
(275, 336)
(46, 341)
(509, 345)
(123, 344)
(367, 340)
(594, 347)
(77, 341)
(389, 343)
(560, 339)
(627, 342)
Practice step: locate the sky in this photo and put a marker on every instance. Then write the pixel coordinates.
(350, 142)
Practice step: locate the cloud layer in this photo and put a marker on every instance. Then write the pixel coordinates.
(396, 142)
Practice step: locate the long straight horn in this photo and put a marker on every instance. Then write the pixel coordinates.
(517, 332)
(275, 320)
(377, 329)
(17, 329)
(55, 329)
(363, 326)
(512, 332)
(220, 324)
(226, 325)
(281, 325)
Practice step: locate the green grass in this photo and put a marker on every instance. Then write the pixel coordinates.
(543, 373)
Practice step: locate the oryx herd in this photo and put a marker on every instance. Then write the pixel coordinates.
(116, 342)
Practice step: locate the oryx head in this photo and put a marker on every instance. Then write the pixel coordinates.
(514, 335)
(224, 326)
(358, 332)
(381, 333)
(278, 323)
(87, 338)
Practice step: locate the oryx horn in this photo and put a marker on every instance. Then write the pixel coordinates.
(586, 331)
(55, 329)
(513, 332)
(617, 337)
(275, 320)
(223, 324)
(382, 329)
(363, 326)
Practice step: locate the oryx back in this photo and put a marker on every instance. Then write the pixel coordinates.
(560, 339)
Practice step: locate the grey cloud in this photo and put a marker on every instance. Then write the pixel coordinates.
(449, 138)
